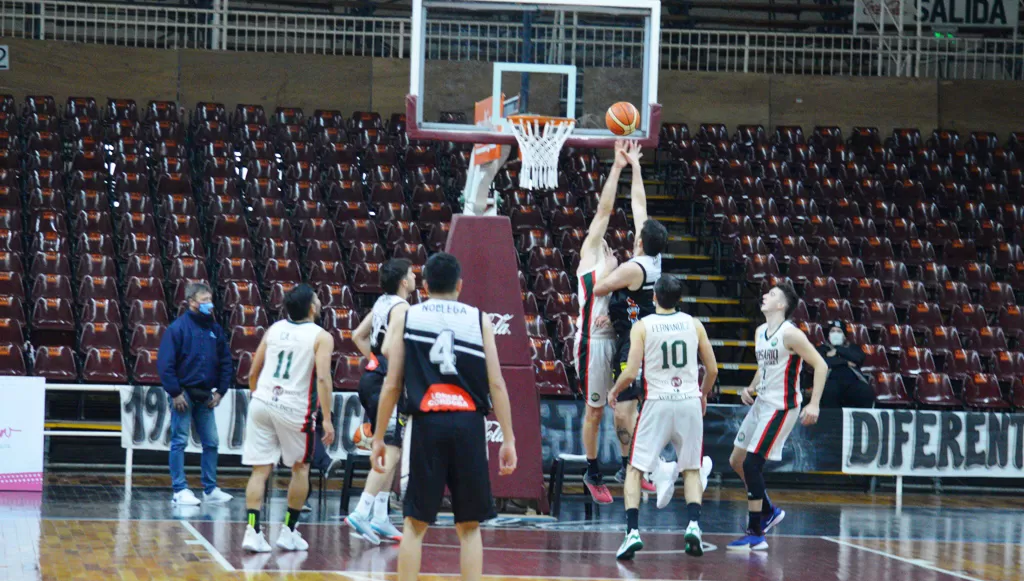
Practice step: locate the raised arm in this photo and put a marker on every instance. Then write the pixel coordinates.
(625, 275)
(795, 340)
(323, 348)
(499, 399)
(637, 335)
(605, 205)
(637, 192)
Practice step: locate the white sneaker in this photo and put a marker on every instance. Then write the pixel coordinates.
(386, 530)
(255, 542)
(185, 498)
(217, 496)
(630, 545)
(664, 478)
(705, 471)
(694, 541)
(290, 540)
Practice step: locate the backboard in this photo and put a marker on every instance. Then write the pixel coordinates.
(561, 58)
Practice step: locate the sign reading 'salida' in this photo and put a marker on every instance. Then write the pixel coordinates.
(946, 13)
(933, 443)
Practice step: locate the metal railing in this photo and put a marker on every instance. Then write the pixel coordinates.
(583, 45)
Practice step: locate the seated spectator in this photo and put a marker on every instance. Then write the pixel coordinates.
(846, 386)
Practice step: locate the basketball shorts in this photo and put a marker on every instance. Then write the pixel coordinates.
(662, 422)
(448, 449)
(370, 385)
(765, 429)
(636, 390)
(274, 433)
(593, 359)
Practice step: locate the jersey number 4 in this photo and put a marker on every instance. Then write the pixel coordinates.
(285, 358)
(678, 354)
(442, 352)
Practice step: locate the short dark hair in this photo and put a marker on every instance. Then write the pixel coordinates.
(195, 288)
(392, 274)
(792, 299)
(653, 237)
(442, 273)
(297, 302)
(668, 290)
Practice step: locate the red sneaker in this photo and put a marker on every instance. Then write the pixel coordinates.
(597, 489)
(647, 485)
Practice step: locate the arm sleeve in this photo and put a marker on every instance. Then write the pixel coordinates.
(166, 362)
(227, 367)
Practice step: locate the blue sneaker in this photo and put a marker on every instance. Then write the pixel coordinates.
(361, 526)
(750, 542)
(769, 522)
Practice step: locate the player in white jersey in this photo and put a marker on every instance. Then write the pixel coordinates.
(594, 349)
(667, 344)
(290, 375)
(370, 518)
(631, 287)
(781, 350)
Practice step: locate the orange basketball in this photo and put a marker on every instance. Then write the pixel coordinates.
(622, 118)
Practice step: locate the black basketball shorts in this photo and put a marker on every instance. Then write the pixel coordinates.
(449, 449)
(634, 391)
(370, 385)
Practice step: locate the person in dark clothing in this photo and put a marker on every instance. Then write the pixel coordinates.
(196, 371)
(846, 386)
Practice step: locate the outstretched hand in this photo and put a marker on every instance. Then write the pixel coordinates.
(633, 153)
(621, 160)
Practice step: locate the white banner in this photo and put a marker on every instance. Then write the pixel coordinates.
(942, 13)
(931, 443)
(146, 421)
(21, 433)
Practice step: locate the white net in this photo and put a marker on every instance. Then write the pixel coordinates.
(540, 149)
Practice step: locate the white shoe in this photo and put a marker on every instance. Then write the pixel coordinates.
(254, 542)
(664, 478)
(705, 471)
(185, 498)
(630, 545)
(217, 496)
(290, 540)
(694, 541)
(386, 530)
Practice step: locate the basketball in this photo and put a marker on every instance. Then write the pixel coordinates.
(622, 118)
(363, 438)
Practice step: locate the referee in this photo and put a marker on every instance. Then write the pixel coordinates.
(444, 354)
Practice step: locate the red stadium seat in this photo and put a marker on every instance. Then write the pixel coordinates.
(997, 295)
(813, 331)
(962, 363)
(943, 340)
(12, 360)
(875, 359)
(144, 370)
(934, 390)
(758, 266)
(104, 366)
(981, 392)
(890, 391)
(55, 363)
(933, 274)
(347, 373)
(896, 338)
(148, 312)
(968, 316)
(833, 309)
(53, 314)
(1008, 365)
(951, 294)
(878, 314)
(145, 337)
(847, 270)
(558, 304)
(804, 268)
(876, 249)
(987, 340)
(551, 378)
(822, 288)
(244, 340)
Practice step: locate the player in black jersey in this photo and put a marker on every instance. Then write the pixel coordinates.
(443, 353)
(632, 288)
(370, 518)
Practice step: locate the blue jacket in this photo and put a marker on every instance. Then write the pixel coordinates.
(194, 351)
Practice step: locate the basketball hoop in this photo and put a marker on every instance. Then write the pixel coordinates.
(540, 140)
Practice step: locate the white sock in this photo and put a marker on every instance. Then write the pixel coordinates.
(380, 505)
(365, 504)
(693, 523)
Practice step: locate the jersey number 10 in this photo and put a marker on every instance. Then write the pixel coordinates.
(442, 352)
(678, 350)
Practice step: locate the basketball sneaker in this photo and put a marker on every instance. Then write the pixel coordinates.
(290, 540)
(749, 542)
(645, 485)
(362, 527)
(705, 471)
(693, 540)
(630, 545)
(185, 497)
(597, 489)
(386, 530)
(255, 542)
(664, 477)
(768, 522)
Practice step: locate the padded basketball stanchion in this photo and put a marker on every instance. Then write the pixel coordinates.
(490, 282)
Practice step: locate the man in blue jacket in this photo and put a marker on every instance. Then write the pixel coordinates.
(196, 370)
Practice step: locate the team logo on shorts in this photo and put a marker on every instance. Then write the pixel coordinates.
(278, 391)
(595, 397)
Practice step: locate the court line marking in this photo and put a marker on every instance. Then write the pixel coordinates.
(915, 562)
(382, 576)
(709, 547)
(208, 546)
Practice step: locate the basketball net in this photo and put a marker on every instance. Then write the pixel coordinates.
(539, 148)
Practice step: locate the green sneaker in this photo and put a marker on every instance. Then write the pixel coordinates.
(630, 545)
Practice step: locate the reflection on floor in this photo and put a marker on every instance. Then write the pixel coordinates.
(90, 528)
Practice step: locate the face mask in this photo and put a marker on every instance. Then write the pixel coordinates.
(836, 339)
(206, 308)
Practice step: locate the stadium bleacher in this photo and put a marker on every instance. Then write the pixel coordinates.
(106, 213)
